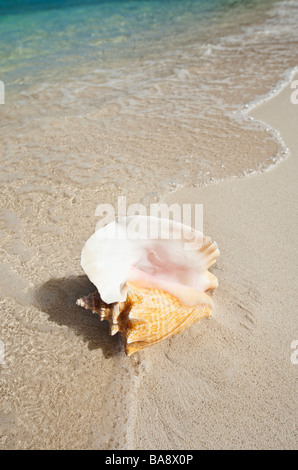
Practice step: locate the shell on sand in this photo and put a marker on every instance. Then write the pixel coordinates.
(148, 289)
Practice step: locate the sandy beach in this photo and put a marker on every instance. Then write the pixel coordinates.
(104, 100)
(225, 383)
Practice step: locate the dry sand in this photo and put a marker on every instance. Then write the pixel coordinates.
(227, 382)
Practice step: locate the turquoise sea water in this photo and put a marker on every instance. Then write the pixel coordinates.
(158, 85)
(39, 36)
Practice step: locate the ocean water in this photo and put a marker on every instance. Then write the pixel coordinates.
(102, 99)
(155, 87)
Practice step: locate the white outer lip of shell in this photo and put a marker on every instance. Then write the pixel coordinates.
(113, 250)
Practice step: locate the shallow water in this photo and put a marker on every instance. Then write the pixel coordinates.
(117, 92)
(102, 100)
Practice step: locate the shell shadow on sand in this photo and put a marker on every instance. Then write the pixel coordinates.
(57, 298)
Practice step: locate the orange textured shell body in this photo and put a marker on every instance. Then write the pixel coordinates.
(146, 317)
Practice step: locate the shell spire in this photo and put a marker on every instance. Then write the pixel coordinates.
(109, 312)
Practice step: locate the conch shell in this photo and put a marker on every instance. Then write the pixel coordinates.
(149, 289)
